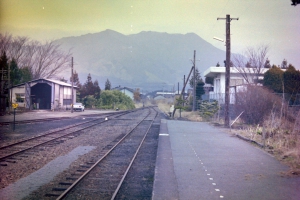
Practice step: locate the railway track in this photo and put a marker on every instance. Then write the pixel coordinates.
(115, 142)
(33, 121)
(102, 176)
(19, 150)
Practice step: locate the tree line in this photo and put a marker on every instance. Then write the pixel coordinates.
(91, 95)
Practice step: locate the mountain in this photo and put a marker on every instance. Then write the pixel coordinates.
(147, 60)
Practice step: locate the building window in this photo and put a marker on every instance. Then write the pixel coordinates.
(20, 97)
(67, 93)
(67, 102)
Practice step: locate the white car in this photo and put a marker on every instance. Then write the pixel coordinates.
(78, 106)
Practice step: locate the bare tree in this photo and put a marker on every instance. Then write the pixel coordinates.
(16, 48)
(250, 65)
(5, 40)
(44, 60)
(28, 58)
(49, 60)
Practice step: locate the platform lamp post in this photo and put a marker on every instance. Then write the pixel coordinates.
(72, 97)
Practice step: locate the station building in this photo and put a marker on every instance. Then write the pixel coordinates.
(237, 81)
(43, 94)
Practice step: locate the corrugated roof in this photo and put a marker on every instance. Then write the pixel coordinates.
(59, 82)
(47, 80)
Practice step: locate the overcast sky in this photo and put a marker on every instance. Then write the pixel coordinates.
(261, 22)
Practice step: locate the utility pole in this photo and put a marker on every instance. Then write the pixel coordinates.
(227, 65)
(194, 84)
(9, 89)
(72, 98)
(183, 82)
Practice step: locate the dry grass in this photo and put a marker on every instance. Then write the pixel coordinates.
(280, 137)
(165, 106)
(140, 104)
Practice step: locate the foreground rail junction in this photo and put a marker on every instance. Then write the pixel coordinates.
(136, 154)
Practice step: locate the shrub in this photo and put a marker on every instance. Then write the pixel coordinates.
(111, 99)
(89, 101)
(208, 109)
(257, 102)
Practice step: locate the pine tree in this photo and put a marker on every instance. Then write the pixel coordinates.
(4, 76)
(90, 88)
(291, 79)
(107, 85)
(198, 78)
(199, 90)
(26, 74)
(273, 79)
(15, 73)
(76, 80)
(96, 89)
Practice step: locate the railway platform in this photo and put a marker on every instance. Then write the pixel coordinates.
(199, 161)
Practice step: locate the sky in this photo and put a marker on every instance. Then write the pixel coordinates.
(274, 23)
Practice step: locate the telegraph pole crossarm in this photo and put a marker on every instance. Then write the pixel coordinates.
(227, 65)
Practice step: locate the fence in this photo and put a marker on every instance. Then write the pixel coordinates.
(220, 97)
(292, 99)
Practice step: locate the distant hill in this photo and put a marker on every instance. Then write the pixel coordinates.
(148, 60)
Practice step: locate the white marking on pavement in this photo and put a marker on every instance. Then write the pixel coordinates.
(204, 168)
(163, 134)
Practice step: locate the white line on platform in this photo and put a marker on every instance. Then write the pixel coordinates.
(163, 134)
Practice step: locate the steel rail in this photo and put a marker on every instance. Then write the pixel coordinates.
(96, 163)
(39, 136)
(54, 132)
(132, 160)
(62, 129)
(52, 118)
(33, 120)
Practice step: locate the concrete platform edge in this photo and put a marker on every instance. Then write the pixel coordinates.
(165, 185)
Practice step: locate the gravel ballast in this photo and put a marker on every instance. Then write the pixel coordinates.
(35, 176)
(28, 184)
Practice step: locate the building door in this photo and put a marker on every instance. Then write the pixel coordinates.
(41, 96)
